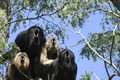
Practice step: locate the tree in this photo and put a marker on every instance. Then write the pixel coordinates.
(57, 16)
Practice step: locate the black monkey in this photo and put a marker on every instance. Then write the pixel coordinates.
(18, 70)
(31, 42)
(49, 53)
(64, 67)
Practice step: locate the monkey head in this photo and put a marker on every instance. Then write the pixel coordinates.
(52, 43)
(21, 61)
(52, 47)
(35, 36)
(31, 40)
(66, 58)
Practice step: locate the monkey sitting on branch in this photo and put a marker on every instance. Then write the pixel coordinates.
(18, 70)
(53, 48)
(50, 51)
(64, 67)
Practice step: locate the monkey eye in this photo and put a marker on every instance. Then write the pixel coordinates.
(36, 34)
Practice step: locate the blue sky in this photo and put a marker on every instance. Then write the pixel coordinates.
(84, 65)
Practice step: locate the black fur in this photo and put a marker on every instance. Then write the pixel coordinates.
(31, 42)
(64, 67)
(18, 70)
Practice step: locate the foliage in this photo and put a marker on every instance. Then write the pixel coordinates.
(2, 30)
(87, 76)
(56, 15)
(102, 43)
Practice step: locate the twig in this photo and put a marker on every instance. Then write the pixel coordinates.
(79, 33)
(51, 22)
(113, 75)
(97, 52)
(22, 73)
(110, 5)
(113, 40)
(18, 10)
(111, 12)
(95, 76)
(92, 48)
(105, 64)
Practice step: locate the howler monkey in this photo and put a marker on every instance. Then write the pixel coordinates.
(53, 48)
(64, 67)
(31, 41)
(18, 70)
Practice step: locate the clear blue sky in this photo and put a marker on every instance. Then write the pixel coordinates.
(84, 65)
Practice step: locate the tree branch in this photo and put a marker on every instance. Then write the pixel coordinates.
(39, 16)
(18, 10)
(22, 73)
(116, 69)
(95, 76)
(113, 75)
(79, 33)
(105, 65)
(92, 48)
(113, 40)
(51, 23)
(111, 12)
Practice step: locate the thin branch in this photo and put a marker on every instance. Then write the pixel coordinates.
(106, 69)
(79, 33)
(113, 40)
(51, 23)
(113, 75)
(22, 73)
(97, 52)
(105, 64)
(110, 5)
(95, 76)
(111, 12)
(39, 16)
(93, 48)
(17, 69)
(18, 10)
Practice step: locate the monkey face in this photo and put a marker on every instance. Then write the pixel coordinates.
(35, 36)
(22, 61)
(31, 40)
(66, 58)
(52, 43)
(52, 47)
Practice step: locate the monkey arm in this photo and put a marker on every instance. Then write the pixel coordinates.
(43, 58)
